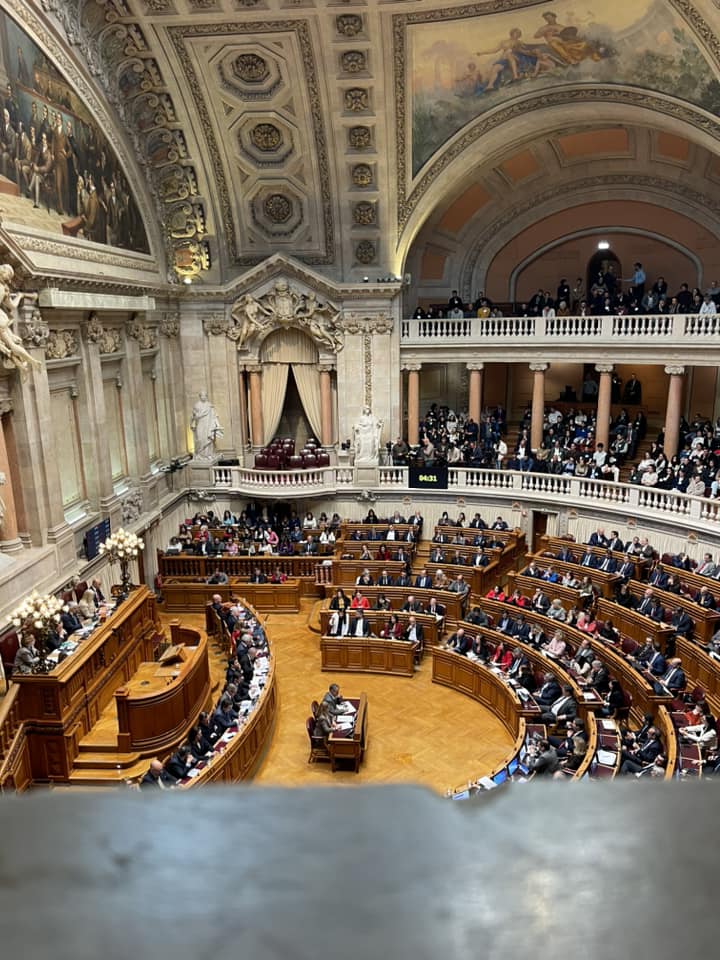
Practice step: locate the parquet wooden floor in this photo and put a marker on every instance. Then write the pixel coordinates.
(418, 732)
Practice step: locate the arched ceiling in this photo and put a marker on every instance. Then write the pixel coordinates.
(363, 136)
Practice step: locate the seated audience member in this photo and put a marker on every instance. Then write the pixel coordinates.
(636, 758)
(544, 760)
(220, 578)
(382, 602)
(393, 629)
(582, 662)
(496, 593)
(460, 586)
(412, 605)
(586, 622)
(562, 709)
(502, 657)
(70, 619)
(533, 570)
(423, 580)
(200, 747)
(597, 677)
(673, 681)
(403, 580)
(650, 658)
(704, 733)
(681, 623)
(477, 617)
(364, 580)
(323, 722)
(548, 692)
(414, 633)
(339, 623)
(541, 602)
(441, 581)
(359, 601)
(435, 609)
(556, 611)
(333, 699)
(87, 606)
(517, 599)
(360, 626)
(225, 716)
(499, 524)
(556, 647)
(278, 576)
(27, 656)
(157, 777)
(180, 762)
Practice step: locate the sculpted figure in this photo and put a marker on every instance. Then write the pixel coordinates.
(366, 434)
(10, 343)
(205, 426)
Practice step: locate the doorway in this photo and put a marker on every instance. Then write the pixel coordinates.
(601, 262)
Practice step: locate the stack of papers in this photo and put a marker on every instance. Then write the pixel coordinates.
(608, 725)
(606, 757)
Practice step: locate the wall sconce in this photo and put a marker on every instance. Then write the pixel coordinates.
(73, 392)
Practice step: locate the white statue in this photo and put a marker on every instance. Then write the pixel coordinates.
(366, 435)
(249, 317)
(10, 343)
(205, 426)
(282, 306)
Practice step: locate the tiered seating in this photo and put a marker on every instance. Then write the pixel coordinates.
(281, 455)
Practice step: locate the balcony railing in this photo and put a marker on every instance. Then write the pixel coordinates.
(633, 328)
(541, 489)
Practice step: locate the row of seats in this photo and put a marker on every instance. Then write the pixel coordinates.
(281, 455)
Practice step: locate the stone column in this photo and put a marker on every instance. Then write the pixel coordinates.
(538, 404)
(96, 447)
(256, 410)
(475, 390)
(602, 434)
(673, 410)
(413, 401)
(326, 409)
(10, 541)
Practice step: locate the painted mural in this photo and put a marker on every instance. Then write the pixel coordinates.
(57, 170)
(463, 68)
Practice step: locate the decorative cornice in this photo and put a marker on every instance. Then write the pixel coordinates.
(378, 323)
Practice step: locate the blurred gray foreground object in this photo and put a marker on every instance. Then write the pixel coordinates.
(559, 870)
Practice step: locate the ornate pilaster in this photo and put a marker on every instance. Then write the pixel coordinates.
(10, 542)
(96, 448)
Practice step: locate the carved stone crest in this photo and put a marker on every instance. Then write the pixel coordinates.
(285, 307)
(362, 175)
(170, 325)
(216, 324)
(278, 207)
(356, 99)
(365, 251)
(353, 61)
(251, 68)
(61, 344)
(109, 341)
(359, 137)
(349, 24)
(145, 336)
(364, 213)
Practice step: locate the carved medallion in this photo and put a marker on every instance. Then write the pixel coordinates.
(278, 207)
(365, 251)
(356, 99)
(359, 137)
(362, 175)
(170, 325)
(61, 344)
(364, 213)
(349, 24)
(251, 68)
(353, 61)
(266, 137)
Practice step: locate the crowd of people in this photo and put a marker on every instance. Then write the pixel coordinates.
(245, 675)
(608, 294)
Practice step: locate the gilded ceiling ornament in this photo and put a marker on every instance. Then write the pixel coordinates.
(202, 4)
(278, 207)
(356, 99)
(353, 61)
(362, 175)
(251, 68)
(190, 258)
(266, 137)
(365, 251)
(364, 213)
(349, 24)
(184, 221)
(177, 183)
(359, 137)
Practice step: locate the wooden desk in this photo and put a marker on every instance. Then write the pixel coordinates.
(552, 545)
(374, 531)
(701, 670)
(346, 572)
(604, 583)
(480, 579)
(343, 746)
(302, 567)
(185, 595)
(554, 591)
(367, 655)
(632, 624)
(705, 621)
(353, 548)
(378, 619)
(60, 708)
(480, 683)
(156, 706)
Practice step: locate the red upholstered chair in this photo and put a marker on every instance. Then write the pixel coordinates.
(310, 460)
(629, 646)
(273, 461)
(261, 460)
(624, 712)
(295, 462)
(314, 708)
(323, 458)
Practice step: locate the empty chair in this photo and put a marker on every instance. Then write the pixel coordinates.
(295, 462)
(310, 460)
(323, 458)
(261, 460)
(318, 750)
(273, 461)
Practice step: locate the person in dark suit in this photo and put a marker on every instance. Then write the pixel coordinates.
(562, 709)
(480, 559)
(200, 747)
(97, 592)
(673, 681)
(682, 623)
(414, 633)
(650, 657)
(403, 580)
(459, 641)
(647, 603)
(477, 523)
(360, 626)
(615, 543)
(548, 692)
(333, 699)
(412, 605)
(499, 524)
(589, 559)
(437, 555)
(566, 555)
(70, 619)
(635, 759)
(706, 599)
(627, 569)
(608, 564)
(658, 578)
(258, 576)
(157, 778)
(384, 580)
(598, 538)
(423, 580)
(544, 760)
(180, 762)
(435, 609)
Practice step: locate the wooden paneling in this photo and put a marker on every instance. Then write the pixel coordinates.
(367, 655)
(189, 596)
(476, 681)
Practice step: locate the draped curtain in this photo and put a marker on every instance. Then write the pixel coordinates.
(307, 378)
(274, 384)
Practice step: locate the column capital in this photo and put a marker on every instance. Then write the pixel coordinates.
(253, 368)
(539, 367)
(326, 367)
(413, 367)
(604, 367)
(6, 406)
(674, 370)
(475, 366)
